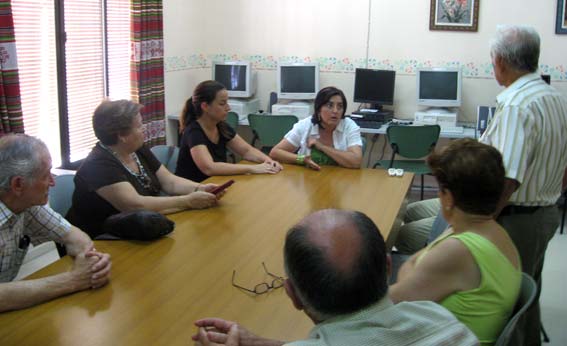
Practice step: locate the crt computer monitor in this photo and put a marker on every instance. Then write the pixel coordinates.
(236, 76)
(374, 86)
(297, 81)
(439, 87)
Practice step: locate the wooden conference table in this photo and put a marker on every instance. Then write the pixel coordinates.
(158, 289)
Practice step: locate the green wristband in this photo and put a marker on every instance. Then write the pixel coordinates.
(300, 159)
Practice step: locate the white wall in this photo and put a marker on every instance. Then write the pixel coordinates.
(335, 33)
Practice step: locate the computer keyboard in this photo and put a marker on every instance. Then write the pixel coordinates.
(368, 124)
(452, 129)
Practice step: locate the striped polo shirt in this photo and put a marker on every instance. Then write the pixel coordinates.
(529, 129)
(420, 323)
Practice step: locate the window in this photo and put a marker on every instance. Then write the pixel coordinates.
(38, 71)
(96, 64)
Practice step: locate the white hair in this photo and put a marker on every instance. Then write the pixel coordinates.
(20, 155)
(518, 46)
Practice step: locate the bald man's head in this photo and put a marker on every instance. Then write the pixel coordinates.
(336, 260)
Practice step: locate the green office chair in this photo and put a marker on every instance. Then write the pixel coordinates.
(270, 129)
(232, 121)
(526, 298)
(412, 142)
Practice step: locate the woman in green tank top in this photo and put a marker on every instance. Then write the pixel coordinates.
(473, 268)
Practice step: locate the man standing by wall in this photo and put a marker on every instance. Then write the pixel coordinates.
(529, 129)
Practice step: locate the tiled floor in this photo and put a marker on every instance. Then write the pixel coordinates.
(554, 291)
(553, 298)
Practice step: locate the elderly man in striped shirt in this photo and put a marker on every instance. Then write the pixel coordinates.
(528, 129)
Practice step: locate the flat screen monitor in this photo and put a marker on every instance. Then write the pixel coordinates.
(439, 87)
(298, 81)
(374, 86)
(236, 76)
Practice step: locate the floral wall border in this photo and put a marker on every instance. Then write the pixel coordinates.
(348, 65)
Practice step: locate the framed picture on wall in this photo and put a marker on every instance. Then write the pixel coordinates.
(454, 15)
(561, 25)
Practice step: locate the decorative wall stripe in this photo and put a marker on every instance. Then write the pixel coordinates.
(480, 70)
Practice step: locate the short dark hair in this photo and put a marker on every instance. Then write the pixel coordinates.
(473, 172)
(114, 118)
(322, 98)
(327, 290)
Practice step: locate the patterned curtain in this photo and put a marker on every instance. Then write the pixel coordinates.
(147, 67)
(11, 119)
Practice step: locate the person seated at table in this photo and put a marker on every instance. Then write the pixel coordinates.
(25, 179)
(473, 269)
(337, 267)
(206, 137)
(121, 174)
(326, 138)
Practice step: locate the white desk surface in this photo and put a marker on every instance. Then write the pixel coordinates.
(467, 132)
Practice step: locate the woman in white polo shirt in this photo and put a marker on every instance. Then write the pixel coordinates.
(326, 138)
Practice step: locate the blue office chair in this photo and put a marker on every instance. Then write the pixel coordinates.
(526, 298)
(438, 227)
(61, 195)
(172, 163)
(60, 199)
(167, 155)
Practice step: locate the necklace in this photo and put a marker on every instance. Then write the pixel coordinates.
(142, 177)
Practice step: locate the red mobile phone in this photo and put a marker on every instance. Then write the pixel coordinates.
(222, 187)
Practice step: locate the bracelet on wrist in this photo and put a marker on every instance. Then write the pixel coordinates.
(300, 159)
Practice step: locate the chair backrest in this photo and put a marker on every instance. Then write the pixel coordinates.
(270, 129)
(439, 226)
(363, 144)
(232, 120)
(528, 292)
(413, 142)
(172, 163)
(61, 195)
(167, 155)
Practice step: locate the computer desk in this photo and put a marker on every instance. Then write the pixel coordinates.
(467, 132)
(158, 289)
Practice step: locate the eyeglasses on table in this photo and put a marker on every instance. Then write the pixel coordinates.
(263, 287)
